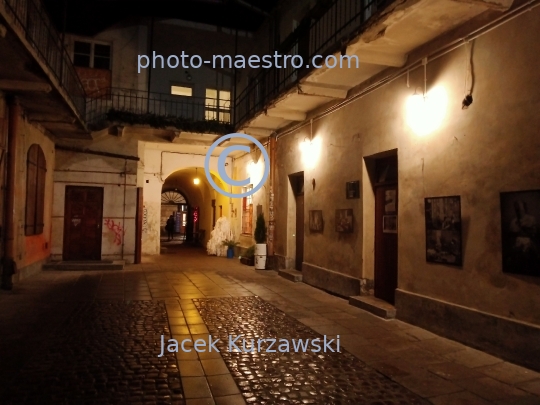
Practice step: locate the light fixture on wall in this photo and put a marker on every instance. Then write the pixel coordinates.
(310, 149)
(426, 110)
(196, 180)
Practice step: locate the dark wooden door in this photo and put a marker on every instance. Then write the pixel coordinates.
(299, 231)
(83, 219)
(386, 242)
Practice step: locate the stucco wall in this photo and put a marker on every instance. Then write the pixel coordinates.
(118, 179)
(30, 251)
(476, 153)
(160, 161)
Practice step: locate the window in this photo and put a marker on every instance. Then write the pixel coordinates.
(247, 212)
(36, 168)
(181, 91)
(88, 54)
(218, 105)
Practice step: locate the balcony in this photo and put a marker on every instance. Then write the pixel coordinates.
(380, 33)
(187, 120)
(39, 71)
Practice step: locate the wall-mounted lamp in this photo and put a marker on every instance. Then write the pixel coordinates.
(196, 180)
(426, 110)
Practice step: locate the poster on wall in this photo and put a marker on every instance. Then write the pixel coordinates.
(390, 201)
(443, 230)
(520, 213)
(344, 221)
(316, 223)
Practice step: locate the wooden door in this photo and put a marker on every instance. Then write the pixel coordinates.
(83, 218)
(386, 242)
(299, 231)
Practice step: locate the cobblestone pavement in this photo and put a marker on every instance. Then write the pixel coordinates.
(69, 338)
(105, 353)
(291, 377)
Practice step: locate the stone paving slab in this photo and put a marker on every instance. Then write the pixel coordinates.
(290, 377)
(106, 353)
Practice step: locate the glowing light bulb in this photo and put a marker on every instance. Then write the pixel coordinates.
(196, 181)
(425, 114)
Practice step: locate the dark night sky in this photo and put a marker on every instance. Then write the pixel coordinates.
(89, 17)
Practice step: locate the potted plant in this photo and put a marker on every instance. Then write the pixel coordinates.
(249, 256)
(260, 239)
(231, 244)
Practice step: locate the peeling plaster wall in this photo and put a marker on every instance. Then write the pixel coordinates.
(30, 251)
(119, 200)
(160, 161)
(476, 153)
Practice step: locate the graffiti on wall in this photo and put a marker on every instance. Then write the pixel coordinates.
(117, 229)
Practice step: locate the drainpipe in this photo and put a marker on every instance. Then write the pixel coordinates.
(9, 267)
(271, 215)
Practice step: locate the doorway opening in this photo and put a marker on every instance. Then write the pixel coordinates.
(297, 185)
(83, 216)
(385, 187)
(174, 203)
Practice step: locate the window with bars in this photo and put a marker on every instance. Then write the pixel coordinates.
(247, 212)
(218, 105)
(36, 170)
(92, 55)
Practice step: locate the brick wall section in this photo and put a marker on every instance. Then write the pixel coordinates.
(94, 79)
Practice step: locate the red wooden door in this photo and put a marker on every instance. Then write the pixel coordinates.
(386, 242)
(83, 218)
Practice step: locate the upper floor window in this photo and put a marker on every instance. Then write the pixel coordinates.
(218, 105)
(36, 169)
(89, 54)
(181, 91)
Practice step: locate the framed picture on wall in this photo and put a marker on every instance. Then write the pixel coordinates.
(316, 223)
(352, 189)
(520, 216)
(443, 230)
(344, 221)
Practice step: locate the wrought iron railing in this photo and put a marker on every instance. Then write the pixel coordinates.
(323, 31)
(156, 109)
(31, 18)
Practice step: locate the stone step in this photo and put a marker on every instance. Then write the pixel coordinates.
(291, 275)
(374, 305)
(85, 265)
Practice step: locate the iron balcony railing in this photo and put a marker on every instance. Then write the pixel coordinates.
(156, 109)
(325, 30)
(31, 18)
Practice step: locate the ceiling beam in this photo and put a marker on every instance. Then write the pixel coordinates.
(380, 58)
(20, 85)
(324, 90)
(291, 115)
(254, 131)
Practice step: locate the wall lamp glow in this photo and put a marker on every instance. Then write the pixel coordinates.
(426, 113)
(196, 180)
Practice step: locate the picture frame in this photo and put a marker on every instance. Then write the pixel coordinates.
(520, 233)
(443, 230)
(352, 189)
(344, 220)
(316, 222)
(389, 223)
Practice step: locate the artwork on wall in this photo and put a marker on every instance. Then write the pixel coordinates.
(389, 223)
(352, 189)
(443, 230)
(520, 213)
(344, 221)
(390, 201)
(316, 223)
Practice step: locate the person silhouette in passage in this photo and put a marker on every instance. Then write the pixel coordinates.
(170, 228)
